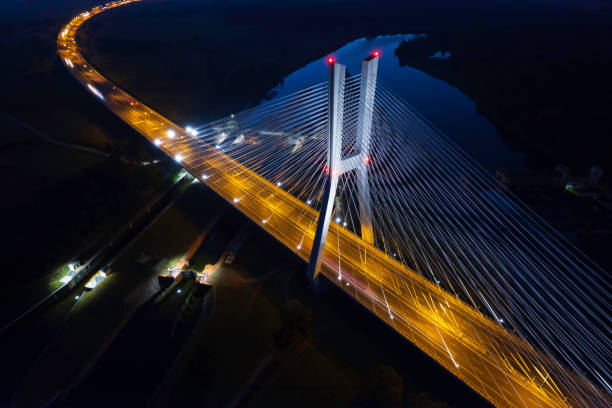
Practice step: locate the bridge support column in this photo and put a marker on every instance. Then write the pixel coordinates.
(358, 162)
(367, 90)
(337, 74)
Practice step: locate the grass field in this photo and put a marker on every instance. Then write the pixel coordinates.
(222, 353)
(29, 163)
(47, 217)
(237, 345)
(102, 312)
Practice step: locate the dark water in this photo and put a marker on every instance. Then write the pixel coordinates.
(445, 106)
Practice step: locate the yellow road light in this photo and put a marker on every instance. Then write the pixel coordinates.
(366, 269)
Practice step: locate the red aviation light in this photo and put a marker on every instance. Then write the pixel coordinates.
(367, 160)
(331, 60)
(376, 53)
(325, 169)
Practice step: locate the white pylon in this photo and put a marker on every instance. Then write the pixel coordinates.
(336, 165)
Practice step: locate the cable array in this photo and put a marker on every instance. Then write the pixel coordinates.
(439, 213)
(436, 212)
(449, 257)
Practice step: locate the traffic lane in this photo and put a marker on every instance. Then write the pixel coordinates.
(241, 190)
(152, 129)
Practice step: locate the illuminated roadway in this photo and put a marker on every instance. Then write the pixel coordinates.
(498, 365)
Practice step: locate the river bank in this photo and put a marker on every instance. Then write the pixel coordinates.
(542, 80)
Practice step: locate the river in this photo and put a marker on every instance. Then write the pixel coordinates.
(453, 112)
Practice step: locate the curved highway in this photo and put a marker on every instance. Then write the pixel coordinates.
(497, 364)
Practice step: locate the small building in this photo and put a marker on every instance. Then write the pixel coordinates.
(95, 280)
(167, 277)
(202, 284)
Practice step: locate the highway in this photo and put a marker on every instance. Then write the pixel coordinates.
(497, 364)
(103, 253)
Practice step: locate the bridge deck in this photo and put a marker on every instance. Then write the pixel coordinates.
(498, 365)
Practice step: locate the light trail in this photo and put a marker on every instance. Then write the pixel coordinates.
(95, 91)
(469, 344)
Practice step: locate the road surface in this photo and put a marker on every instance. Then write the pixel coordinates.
(501, 367)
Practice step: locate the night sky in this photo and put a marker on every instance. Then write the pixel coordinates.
(41, 9)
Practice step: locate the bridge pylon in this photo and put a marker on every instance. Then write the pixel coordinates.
(336, 165)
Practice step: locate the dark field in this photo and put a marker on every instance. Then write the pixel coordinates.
(208, 350)
(58, 199)
(543, 81)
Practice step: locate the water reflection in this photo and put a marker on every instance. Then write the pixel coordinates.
(445, 106)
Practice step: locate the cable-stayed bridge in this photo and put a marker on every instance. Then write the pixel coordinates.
(375, 198)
